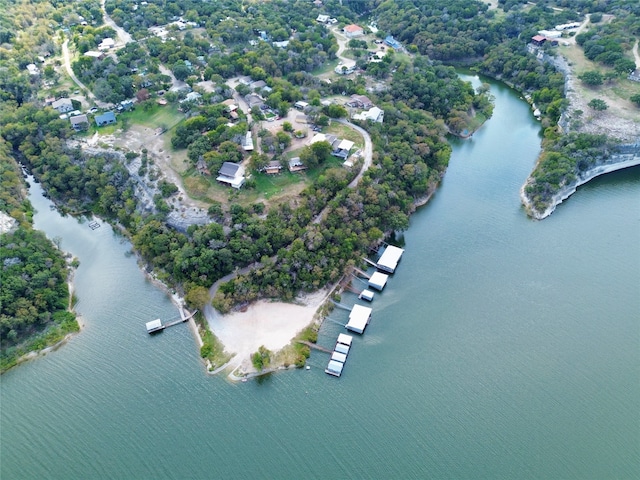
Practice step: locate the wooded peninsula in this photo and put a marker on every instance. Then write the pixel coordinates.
(277, 90)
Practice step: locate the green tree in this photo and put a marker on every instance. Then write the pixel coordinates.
(598, 104)
(635, 99)
(593, 78)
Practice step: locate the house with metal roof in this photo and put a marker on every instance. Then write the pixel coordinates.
(378, 280)
(107, 118)
(79, 122)
(63, 105)
(358, 318)
(231, 174)
(389, 259)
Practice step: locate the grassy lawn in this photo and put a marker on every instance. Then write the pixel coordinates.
(344, 132)
(326, 68)
(157, 116)
(270, 185)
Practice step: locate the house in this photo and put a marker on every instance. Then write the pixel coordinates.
(375, 114)
(231, 174)
(202, 168)
(296, 165)
(272, 168)
(300, 105)
(360, 101)
(254, 100)
(344, 70)
(635, 75)
(538, 40)
(63, 105)
(341, 150)
(247, 142)
(106, 44)
(125, 105)
(322, 18)
(94, 54)
(79, 122)
(393, 43)
(192, 97)
(257, 85)
(282, 44)
(32, 69)
(353, 30)
(317, 3)
(107, 118)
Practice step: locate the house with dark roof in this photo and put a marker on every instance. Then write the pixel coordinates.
(635, 75)
(360, 101)
(107, 118)
(231, 174)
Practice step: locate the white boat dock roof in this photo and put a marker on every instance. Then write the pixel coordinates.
(342, 348)
(334, 368)
(378, 280)
(358, 318)
(339, 357)
(345, 339)
(366, 295)
(154, 325)
(390, 258)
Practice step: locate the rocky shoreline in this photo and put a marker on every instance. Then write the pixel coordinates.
(612, 164)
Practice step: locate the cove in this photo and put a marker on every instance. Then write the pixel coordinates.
(502, 347)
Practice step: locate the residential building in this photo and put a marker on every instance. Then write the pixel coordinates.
(107, 118)
(353, 30)
(231, 174)
(63, 105)
(79, 122)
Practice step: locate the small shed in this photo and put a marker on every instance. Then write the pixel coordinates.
(339, 357)
(358, 318)
(345, 339)
(389, 259)
(334, 368)
(366, 295)
(378, 280)
(538, 40)
(300, 105)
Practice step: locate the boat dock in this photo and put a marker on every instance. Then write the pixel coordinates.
(339, 355)
(155, 326)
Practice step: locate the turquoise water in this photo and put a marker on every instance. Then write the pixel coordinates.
(501, 348)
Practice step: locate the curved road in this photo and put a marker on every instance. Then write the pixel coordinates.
(67, 65)
(123, 36)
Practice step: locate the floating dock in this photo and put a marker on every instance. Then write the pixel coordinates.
(339, 355)
(389, 259)
(359, 318)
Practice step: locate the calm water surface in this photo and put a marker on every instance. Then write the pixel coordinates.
(501, 348)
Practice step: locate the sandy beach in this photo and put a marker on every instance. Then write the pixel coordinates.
(272, 324)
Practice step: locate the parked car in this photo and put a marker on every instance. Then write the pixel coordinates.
(93, 109)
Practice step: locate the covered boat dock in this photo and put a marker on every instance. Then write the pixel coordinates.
(358, 318)
(389, 259)
(378, 280)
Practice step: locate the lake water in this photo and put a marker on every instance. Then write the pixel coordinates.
(501, 348)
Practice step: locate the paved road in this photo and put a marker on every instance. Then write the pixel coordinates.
(123, 36)
(368, 160)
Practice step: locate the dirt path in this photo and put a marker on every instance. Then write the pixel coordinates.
(636, 55)
(587, 18)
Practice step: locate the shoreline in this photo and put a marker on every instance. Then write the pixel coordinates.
(568, 190)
